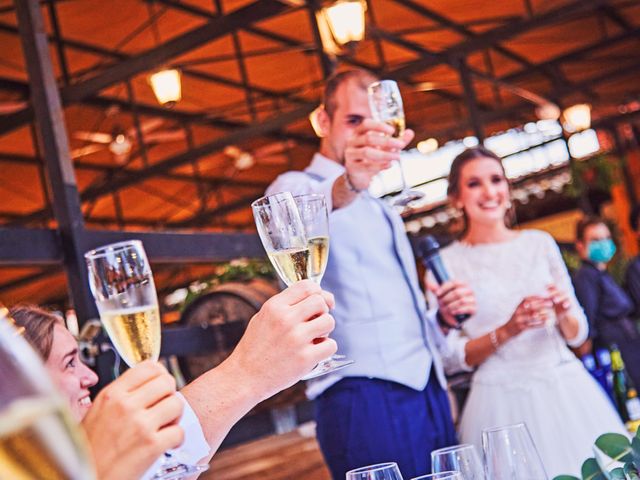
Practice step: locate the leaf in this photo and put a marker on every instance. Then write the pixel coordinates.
(591, 470)
(617, 474)
(565, 477)
(635, 445)
(631, 472)
(616, 446)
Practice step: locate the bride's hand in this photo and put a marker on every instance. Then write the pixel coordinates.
(532, 312)
(560, 300)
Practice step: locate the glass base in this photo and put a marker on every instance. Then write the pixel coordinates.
(405, 198)
(178, 470)
(336, 362)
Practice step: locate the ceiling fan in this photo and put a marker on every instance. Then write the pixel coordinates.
(120, 142)
(8, 107)
(271, 154)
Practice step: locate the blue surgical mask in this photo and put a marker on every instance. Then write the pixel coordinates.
(601, 251)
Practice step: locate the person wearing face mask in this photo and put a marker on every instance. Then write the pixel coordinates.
(606, 304)
(632, 276)
(526, 315)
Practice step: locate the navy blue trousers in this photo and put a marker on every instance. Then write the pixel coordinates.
(364, 421)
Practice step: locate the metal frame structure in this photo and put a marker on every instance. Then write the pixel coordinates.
(29, 240)
(65, 203)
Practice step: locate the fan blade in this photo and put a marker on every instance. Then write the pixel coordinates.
(11, 106)
(165, 136)
(273, 148)
(87, 150)
(273, 160)
(95, 137)
(430, 86)
(146, 126)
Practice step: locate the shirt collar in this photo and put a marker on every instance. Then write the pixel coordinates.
(325, 167)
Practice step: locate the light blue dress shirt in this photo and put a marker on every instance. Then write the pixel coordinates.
(381, 317)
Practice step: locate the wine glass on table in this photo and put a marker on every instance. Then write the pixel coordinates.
(510, 454)
(294, 255)
(385, 103)
(38, 436)
(122, 285)
(381, 471)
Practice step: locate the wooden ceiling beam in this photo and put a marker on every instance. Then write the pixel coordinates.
(500, 34)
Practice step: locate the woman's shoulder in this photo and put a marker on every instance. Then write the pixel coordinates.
(534, 236)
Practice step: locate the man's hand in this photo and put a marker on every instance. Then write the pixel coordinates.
(286, 338)
(372, 149)
(133, 421)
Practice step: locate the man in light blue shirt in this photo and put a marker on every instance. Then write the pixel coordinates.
(391, 405)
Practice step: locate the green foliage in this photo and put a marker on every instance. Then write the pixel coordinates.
(616, 448)
(599, 172)
(239, 270)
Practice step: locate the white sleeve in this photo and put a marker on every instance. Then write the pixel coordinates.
(451, 346)
(195, 446)
(563, 282)
(299, 182)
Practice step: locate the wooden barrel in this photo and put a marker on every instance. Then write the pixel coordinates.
(231, 304)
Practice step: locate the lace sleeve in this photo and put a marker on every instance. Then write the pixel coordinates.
(563, 282)
(451, 346)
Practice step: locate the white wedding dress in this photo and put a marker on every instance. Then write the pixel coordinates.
(533, 378)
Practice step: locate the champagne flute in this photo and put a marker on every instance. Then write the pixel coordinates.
(510, 454)
(381, 471)
(385, 102)
(449, 475)
(284, 237)
(122, 284)
(460, 458)
(38, 436)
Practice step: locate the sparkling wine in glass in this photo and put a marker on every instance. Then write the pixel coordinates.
(510, 454)
(122, 284)
(458, 458)
(297, 249)
(385, 102)
(314, 215)
(38, 436)
(380, 471)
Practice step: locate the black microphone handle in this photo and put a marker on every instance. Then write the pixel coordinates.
(434, 263)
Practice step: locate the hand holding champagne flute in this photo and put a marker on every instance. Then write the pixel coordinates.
(122, 285)
(385, 102)
(297, 248)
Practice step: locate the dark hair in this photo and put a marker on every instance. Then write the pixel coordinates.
(586, 222)
(634, 218)
(461, 160)
(38, 326)
(364, 77)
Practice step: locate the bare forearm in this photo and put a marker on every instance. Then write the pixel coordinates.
(569, 326)
(220, 398)
(479, 349)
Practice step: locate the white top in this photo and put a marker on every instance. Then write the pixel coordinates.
(381, 318)
(195, 446)
(501, 275)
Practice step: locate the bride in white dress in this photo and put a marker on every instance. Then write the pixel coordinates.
(526, 314)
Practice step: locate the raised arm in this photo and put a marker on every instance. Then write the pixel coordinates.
(281, 345)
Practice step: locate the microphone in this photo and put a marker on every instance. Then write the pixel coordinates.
(429, 250)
